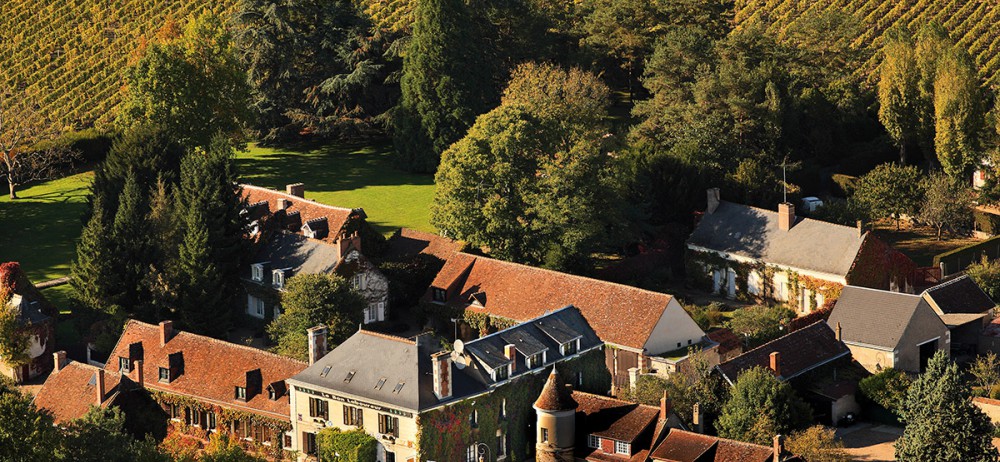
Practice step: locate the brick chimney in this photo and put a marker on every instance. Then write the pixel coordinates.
(839, 331)
(779, 447)
(99, 385)
(714, 199)
(776, 363)
(861, 228)
(139, 372)
(786, 216)
(511, 353)
(166, 332)
(666, 405)
(441, 370)
(317, 343)
(282, 204)
(296, 189)
(59, 360)
(698, 425)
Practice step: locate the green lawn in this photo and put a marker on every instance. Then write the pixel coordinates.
(347, 176)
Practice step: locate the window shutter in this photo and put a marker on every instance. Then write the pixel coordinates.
(381, 423)
(347, 419)
(312, 407)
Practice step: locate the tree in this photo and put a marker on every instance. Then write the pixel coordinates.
(310, 300)
(334, 445)
(94, 274)
(899, 92)
(27, 435)
(760, 407)
(447, 81)
(100, 436)
(986, 273)
(889, 190)
(986, 370)
(947, 203)
(817, 444)
(959, 114)
(129, 236)
(941, 421)
(222, 448)
(760, 324)
(22, 128)
(887, 388)
(14, 339)
(192, 83)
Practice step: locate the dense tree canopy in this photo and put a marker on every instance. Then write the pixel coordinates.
(889, 191)
(310, 300)
(759, 407)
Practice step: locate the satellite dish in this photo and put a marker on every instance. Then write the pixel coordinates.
(458, 360)
(328, 423)
(459, 347)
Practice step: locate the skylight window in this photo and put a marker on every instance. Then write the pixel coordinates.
(326, 371)
(350, 375)
(380, 383)
(399, 386)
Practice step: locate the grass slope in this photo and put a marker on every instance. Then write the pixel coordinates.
(971, 23)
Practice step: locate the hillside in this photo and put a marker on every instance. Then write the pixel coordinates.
(972, 23)
(73, 52)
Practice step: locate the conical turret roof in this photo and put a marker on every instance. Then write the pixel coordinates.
(555, 395)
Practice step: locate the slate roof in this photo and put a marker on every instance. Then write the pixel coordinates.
(372, 356)
(299, 253)
(529, 338)
(211, 368)
(960, 295)
(408, 242)
(555, 396)
(800, 352)
(69, 393)
(619, 314)
(753, 233)
(874, 317)
(307, 210)
(685, 446)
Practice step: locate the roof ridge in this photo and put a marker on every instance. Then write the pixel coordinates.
(779, 338)
(889, 292)
(798, 216)
(248, 348)
(290, 196)
(947, 283)
(518, 324)
(609, 398)
(388, 336)
(570, 275)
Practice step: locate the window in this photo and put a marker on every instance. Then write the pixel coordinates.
(309, 443)
(622, 447)
(533, 361)
(502, 445)
(471, 454)
(500, 373)
(568, 348)
(164, 375)
(353, 416)
(124, 365)
(593, 442)
(277, 311)
(399, 386)
(278, 278)
(255, 307)
(381, 382)
(689, 341)
(503, 409)
(258, 272)
(390, 457)
(388, 424)
(350, 375)
(241, 393)
(360, 281)
(195, 417)
(319, 408)
(287, 441)
(371, 315)
(210, 420)
(326, 371)
(545, 435)
(579, 379)
(474, 418)
(175, 411)
(440, 295)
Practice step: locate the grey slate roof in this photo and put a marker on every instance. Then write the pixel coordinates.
(874, 317)
(753, 233)
(960, 295)
(800, 352)
(372, 357)
(301, 254)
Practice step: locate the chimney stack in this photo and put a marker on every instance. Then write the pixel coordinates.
(696, 419)
(665, 406)
(779, 447)
(166, 332)
(861, 228)
(839, 331)
(786, 216)
(776, 363)
(296, 189)
(714, 198)
(99, 385)
(282, 204)
(317, 343)
(511, 353)
(59, 358)
(139, 374)
(441, 370)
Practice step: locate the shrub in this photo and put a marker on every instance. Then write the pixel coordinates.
(92, 144)
(887, 388)
(843, 185)
(350, 446)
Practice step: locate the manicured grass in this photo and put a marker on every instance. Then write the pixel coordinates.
(40, 229)
(919, 243)
(347, 176)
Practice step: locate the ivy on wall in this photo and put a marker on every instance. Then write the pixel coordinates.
(878, 266)
(447, 433)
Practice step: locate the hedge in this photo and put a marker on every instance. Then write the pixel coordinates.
(959, 259)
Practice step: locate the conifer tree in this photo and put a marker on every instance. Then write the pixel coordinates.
(129, 237)
(201, 304)
(447, 81)
(941, 421)
(94, 274)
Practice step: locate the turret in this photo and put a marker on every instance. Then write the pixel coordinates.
(556, 424)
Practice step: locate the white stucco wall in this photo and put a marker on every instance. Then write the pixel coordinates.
(674, 327)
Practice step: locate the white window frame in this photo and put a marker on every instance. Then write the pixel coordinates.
(257, 272)
(534, 361)
(370, 314)
(255, 306)
(593, 442)
(278, 278)
(622, 447)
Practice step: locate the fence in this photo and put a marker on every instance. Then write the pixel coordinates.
(956, 261)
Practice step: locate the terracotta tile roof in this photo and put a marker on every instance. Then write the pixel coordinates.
(800, 352)
(613, 418)
(685, 446)
(210, 368)
(555, 396)
(336, 217)
(408, 242)
(520, 293)
(69, 393)
(727, 340)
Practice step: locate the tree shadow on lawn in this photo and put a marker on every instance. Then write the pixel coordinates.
(327, 168)
(40, 231)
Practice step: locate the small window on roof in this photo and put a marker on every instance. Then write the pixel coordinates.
(350, 375)
(326, 370)
(399, 386)
(381, 382)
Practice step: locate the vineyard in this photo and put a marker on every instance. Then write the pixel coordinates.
(72, 53)
(971, 23)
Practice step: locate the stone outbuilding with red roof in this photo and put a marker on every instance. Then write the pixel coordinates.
(36, 317)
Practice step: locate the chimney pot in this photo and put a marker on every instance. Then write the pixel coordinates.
(839, 331)
(786, 216)
(714, 198)
(317, 343)
(776, 363)
(166, 332)
(296, 189)
(140, 374)
(59, 358)
(100, 386)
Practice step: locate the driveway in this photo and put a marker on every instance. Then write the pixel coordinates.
(870, 442)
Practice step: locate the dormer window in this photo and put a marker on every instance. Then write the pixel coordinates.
(534, 360)
(501, 373)
(593, 442)
(164, 375)
(439, 295)
(570, 347)
(258, 272)
(278, 278)
(124, 365)
(241, 393)
(622, 447)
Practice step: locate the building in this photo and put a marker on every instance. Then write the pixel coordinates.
(73, 388)
(642, 327)
(756, 254)
(406, 242)
(730, 345)
(888, 329)
(964, 308)
(205, 385)
(393, 386)
(685, 446)
(36, 317)
(295, 236)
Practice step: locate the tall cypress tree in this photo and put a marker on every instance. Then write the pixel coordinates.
(201, 303)
(94, 274)
(447, 81)
(898, 91)
(129, 237)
